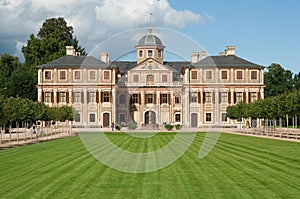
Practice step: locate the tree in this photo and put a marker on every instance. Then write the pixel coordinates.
(50, 42)
(297, 81)
(277, 80)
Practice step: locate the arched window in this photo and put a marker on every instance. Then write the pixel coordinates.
(177, 99)
(122, 99)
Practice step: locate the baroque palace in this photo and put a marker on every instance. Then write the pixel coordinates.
(150, 91)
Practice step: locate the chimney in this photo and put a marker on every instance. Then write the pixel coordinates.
(105, 57)
(222, 53)
(230, 50)
(70, 50)
(195, 57)
(203, 54)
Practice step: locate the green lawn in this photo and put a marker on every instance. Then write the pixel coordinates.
(238, 167)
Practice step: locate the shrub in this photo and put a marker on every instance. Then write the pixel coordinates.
(178, 126)
(169, 127)
(118, 127)
(132, 126)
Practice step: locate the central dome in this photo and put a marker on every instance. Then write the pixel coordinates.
(150, 40)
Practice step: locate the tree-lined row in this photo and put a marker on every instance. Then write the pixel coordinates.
(14, 110)
(278, 107)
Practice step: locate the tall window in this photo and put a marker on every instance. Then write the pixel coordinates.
(224, 97)
(208, 97)
(106, 75)
(140, 53)
(77, 75)
(77, 97)
(62, 96)
(254, 74)
(239, 74)
(159, 53)
(239, 97)
(208, 117)
(135, 98)
(177, 117)
(194, 74)
(193, 97)
(150, 53)
(77, 117)
(48, 75)
(62, 75)
(223, 117)
(177, 99)
(208, 75)
(122, 99)
(135, 78)
(149, 98)
(224, 74)
(92, 96)
(106, 96)
(47, 97)
(92, 75)
(253, 97)
(92, 117)
(164, 98)
(164, 78)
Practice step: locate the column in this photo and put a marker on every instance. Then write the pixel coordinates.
(113, 105)
(216, 107)
(231, 96)
(70, 96)
(55, 96)
(171, 107)
(100, 108)
(40, 95)
(247, 96)
(158, 108)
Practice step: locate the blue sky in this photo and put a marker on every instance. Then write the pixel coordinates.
(263, 31)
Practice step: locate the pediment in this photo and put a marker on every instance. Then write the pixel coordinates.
(150, 65)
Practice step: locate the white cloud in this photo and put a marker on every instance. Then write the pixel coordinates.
(92, 20)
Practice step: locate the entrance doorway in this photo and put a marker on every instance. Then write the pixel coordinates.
(106, 120)
(194, 120)
(150, 117)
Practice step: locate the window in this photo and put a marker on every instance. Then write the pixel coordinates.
(194, 74)
(208, 97)
(140, 53)
(77, 117)
(77, 97)
(150, 79)
(122, 117)
(164, 98)
(224, 97)
(62, 96)
(253, 96)
(150, 53)
(164, 78)
(177, 99)
(224, 74)
(208, 75)
(77, 75)
(177, 117)
(92, 75)
(149, 98)
(48, 75)
(92, 96)
(106, 75)
(135, 98)
(208, 117)
(92, 117)
(122, 99)
(62, 75)
(223, 117)
(47, 97)
(239, 74)
(135, 78)
(159, 53)
(106, 96)
(194, 97)
(253, 74)
(239, 97)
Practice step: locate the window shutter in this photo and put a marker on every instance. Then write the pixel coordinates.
(43, 96)
(140, 99)
(82, 97)
(97, 97)
(52, 97)
(204, 97)
(244, 96)
(88, 97)
(110, 96)
(234, 97)
(57, 97)
(199, 97)
(220, 97)
(258, 96)
(160, 98)
(213, 97)
(67, 97)
(229, 97)
(154, 98)
(169, 98)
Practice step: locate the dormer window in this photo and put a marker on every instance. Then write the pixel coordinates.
(140, 53)
(159, 53)
(150, 53)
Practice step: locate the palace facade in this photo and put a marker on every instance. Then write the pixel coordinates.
(150, 91)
